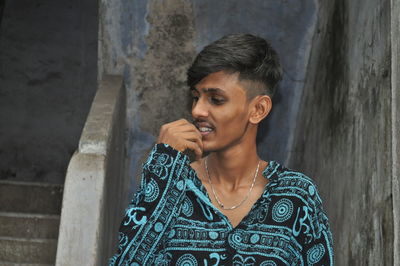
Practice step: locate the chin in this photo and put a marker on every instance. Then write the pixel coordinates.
(207, 148)
(211, 147)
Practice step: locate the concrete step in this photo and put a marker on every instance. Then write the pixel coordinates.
(23, 250)
(30, 197)
(7, 263)
(29, 225)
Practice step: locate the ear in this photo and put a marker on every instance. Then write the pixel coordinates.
(260, 107)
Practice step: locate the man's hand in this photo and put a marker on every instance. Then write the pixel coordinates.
(182, 135)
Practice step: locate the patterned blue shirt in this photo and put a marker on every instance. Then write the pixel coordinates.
(171, 220)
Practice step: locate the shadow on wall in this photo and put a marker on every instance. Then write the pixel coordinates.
(2, 4)
(265, 125)
(48, 77)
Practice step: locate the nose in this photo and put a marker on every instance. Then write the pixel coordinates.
(199, 109)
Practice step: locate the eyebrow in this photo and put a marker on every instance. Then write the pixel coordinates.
(210, 90)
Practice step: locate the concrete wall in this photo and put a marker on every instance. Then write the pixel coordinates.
(48, 77)
(95, 185)
(152, 43)
(395, 58)
(344, 132)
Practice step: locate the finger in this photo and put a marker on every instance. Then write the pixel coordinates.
(185, 129)
(191, 136)
(194, 147)
(178, 122)
(173, 124)
(188, 128)
(179, 125)
(171, 127)
(184, 123)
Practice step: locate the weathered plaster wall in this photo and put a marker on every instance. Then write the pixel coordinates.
(95, 186)
(153, 43)
(343, 136)
(48, 72)
(395, 76)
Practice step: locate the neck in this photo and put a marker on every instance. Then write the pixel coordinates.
(235, 166)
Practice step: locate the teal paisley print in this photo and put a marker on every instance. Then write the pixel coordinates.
(171, 220)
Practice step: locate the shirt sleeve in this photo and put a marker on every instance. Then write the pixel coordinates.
(315, 231)
(153, 205)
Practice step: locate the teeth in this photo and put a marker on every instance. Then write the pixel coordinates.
(205, 129)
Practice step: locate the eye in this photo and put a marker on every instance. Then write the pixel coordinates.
(217, 101)
(195, 98)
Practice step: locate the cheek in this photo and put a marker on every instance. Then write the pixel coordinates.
(234, 121)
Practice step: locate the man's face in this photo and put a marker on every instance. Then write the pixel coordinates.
(220, 110)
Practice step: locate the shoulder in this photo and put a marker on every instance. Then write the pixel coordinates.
(300, 194)
(296, 178)
(290, 182)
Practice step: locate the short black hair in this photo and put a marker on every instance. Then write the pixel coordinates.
(251, 56)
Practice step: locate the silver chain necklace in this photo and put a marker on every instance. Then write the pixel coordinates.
(215, 194)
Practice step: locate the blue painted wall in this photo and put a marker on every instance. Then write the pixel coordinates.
(153, 42)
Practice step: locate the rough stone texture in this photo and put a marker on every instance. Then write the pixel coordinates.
(29, 225)
(32, 197)
(97, 133)
(343, 137)
(95, 187)
(159, 79)
(48, 57)
(21, 250)
(395, 45)
(29, 222)
(153, 42)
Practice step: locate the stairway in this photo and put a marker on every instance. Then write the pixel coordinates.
(29, 222)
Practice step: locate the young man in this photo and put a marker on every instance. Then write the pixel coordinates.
(229, 207)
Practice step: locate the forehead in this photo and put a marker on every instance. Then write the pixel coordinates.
(221, 82)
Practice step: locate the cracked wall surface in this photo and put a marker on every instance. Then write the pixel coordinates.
(343, 136)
